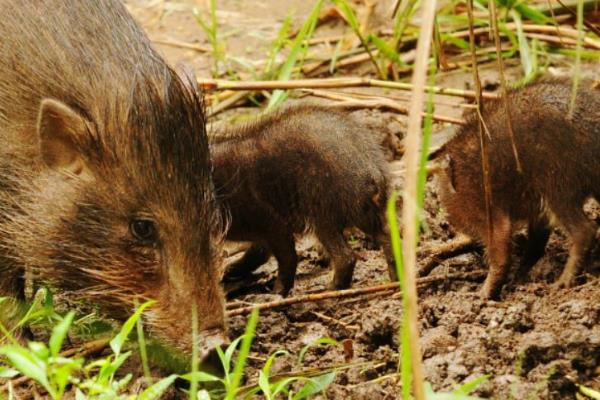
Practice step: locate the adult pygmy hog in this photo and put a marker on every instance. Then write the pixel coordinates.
(559, 154)
(105, 187)
(304, 168)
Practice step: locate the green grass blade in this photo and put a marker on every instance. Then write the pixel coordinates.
(385, 49)
(142, 346)
(524, 49)
(405, 359)
(200, 376)
(317, 342)
(8, 373)
(118, 341)
(591, 393)
(26, 363)
(108, 370)
(350, 16)
(59, 332)
(315, 385)
(526, 11)
(334, 57)
(282, 385)
(278, 44)
(471, 385)
(297, 52)
(238, 369)
(458, 42)
(401, 22)
(156, 390)
(264, 385)
(226, 359)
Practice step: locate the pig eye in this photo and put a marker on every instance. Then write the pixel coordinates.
(143, 230)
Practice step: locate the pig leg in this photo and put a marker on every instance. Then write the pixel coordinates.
(12, 283)
(282, 245)
(342, 259)
(383, 238)
(538, 233)
(380, 232)
(582, 233)
(324, 259)
(498, 253)
(253, 258)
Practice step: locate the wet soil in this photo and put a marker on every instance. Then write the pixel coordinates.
(534, 342)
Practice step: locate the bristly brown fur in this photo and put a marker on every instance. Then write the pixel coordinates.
(559, 154)
(302, 168)
(146, 147)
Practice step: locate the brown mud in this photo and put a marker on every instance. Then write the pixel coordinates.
(535, 342)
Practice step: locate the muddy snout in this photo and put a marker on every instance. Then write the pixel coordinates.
(208, 356)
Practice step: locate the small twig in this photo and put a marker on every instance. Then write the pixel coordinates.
(335, 321)
(476, 275)
(587, 24)
(503, 84)
(181, 44)
(328, 83)
(377, 103)
(483, 139)
(403, 97)
(532, 29)
(381, 378)
(460, 245)
(229, 102)
(336, 294)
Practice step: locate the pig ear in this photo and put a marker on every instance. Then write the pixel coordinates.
(188, 76)
(59, 127)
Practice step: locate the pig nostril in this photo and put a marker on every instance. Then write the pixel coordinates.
(210, 362)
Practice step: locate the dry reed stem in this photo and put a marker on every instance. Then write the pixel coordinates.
(460, 245)
(542, 32)
(483, 139)
(403, 97)
(409, 209)
(587, 23)
(329, 83)
(506, 103)
(182, 44)
(338, 294)
(375, 103)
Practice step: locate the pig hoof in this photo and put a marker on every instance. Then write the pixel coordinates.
(339, 285)
(488, 291)
(563, 282)
(282, 289)
(323, 261)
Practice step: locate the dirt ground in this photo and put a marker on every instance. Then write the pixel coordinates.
(535, 342)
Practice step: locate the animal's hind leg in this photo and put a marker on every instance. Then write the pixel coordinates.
(538, 233)
(378, 229)
(342, 258)
(384, 241)
(498, 252)
(323, 258)
(582, 233)
(283, 248)
(254, 257)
